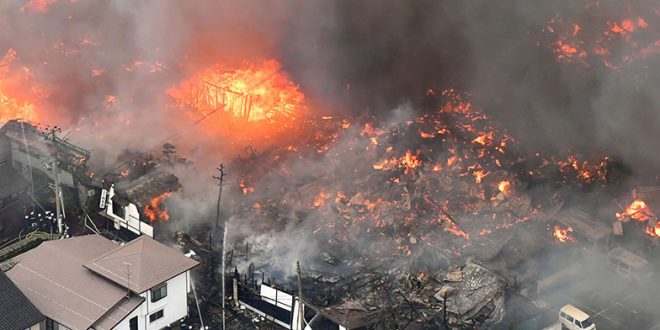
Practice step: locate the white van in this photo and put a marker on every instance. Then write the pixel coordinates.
(574, 319)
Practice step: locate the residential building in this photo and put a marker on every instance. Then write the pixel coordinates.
(89, 282)
(16, 311)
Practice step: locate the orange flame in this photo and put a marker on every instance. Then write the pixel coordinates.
(155, 210)
(16, 99)
(505, 187)
(321, 198)
(637, 210)
(563, 235)
(653, 231)
(245, 187)
(249, 96)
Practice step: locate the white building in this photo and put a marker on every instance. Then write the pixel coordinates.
(89, 282)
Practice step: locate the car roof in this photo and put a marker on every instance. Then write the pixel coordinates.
(575, 312)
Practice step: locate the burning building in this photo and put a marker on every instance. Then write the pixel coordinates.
(386, 146)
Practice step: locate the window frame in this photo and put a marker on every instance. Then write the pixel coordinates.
(158, 288)
(153, 317)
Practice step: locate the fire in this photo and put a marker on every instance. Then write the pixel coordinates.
(245, 187)
(321, 198)
(480, 175)
(38, 6)
(653, 231)
(563, 235)
(16, 99)
(409, 163)
(572, 45)
(637, 210)
(155, 211)
(256, 95)
(504, 187)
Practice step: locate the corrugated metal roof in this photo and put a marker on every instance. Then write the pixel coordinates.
(148, 263)
(54, 280)
(16, 311)
(118, 313)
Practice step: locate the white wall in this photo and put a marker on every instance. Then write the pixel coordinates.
(124, 325)
(175, 305)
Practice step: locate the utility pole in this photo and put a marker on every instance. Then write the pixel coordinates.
(51, 135)
(300, 298)
(220, 178)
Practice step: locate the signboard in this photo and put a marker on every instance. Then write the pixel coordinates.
(104, 196)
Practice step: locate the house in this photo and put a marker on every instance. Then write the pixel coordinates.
(26, 162)
(89, 282)
(16, 311)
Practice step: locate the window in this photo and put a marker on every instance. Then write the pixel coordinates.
(133, 323)
(570, 319)
(586, 323)
(50, 324)
(156, 316)
(159, 292)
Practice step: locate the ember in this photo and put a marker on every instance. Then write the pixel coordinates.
(563, 235)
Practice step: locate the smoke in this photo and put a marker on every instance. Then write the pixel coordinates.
(349, 57)
(107, 64)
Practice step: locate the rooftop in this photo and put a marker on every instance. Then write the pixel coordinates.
(148, 262)
(16, 310)
(80, 282)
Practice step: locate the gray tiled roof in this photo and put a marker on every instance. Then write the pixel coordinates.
(16, 311)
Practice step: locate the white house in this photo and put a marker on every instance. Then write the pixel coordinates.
(126, 215)
(89, 282)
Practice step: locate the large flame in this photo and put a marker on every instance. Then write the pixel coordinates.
(637, 210)
(256, 95)
(156, 211)
(18, 96)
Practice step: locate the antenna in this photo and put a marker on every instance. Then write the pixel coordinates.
(128, 278)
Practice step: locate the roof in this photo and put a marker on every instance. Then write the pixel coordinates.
(350, 314)
(16, 310)
(627, 257)
(11, 181)
(475, 287)
(52, 277)
(584, 224)
(575, 312)
(147, 262)
(118, 313)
